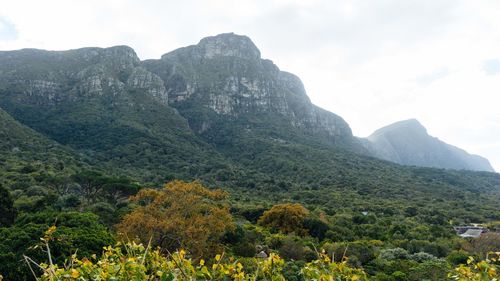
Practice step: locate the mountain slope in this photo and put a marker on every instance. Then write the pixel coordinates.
(23, 150)
(217, 112)
(407, 142)
(102, 103)
(19, 140)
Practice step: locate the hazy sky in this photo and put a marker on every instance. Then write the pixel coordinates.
(372, 62)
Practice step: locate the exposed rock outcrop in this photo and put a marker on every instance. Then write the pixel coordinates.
(226, 74)
(49, 77)
(141, 79)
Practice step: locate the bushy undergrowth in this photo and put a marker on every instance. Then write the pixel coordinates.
(132, 261)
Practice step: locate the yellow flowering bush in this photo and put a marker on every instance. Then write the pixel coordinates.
(324, 269)
(134, 262)
(486, 270)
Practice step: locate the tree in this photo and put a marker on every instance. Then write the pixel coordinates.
(91, 183)
(286, 218)
(182, 215)
(7, 211)
(60, 184)
(94, 184)
(316, 227)
(117, 189)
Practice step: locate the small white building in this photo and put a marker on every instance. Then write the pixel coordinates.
(471, 233)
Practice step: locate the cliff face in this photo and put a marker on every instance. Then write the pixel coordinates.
(222, 77)
(48, 77)
(227, 75)
(195, 106)
(407, 142)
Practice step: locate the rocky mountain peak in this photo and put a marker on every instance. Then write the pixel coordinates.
(407, 142)
(122, 51)
(225, 75)
(228, 45)
(406, 127)
(118, 57)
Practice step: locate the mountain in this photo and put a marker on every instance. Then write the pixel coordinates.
(183, 116)
(82, 130)
(102, 103)
(224, 78)
(218, 112)
(408, 143)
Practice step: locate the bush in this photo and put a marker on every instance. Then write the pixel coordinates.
(133, 261)
(286, 218)
(457, 257)
(487, 270)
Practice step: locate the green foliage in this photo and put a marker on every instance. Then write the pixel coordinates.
(7, 211)
(292, 248)
(457, 257)
(77, 232)
(94, 185)
(429, 270)
(316, 227)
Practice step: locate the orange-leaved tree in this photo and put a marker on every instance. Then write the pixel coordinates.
(181, 215)
(287, 218)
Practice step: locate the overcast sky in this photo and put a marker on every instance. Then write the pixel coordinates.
(372, 62)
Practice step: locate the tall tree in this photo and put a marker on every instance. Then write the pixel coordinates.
(181, 215)
(91, 183)
(7, 210)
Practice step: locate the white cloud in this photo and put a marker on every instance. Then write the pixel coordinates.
(372, 62)
(7, 30)
(492, 66)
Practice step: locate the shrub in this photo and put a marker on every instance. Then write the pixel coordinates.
(286, 218)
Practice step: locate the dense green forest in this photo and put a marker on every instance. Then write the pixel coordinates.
(397, 234)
